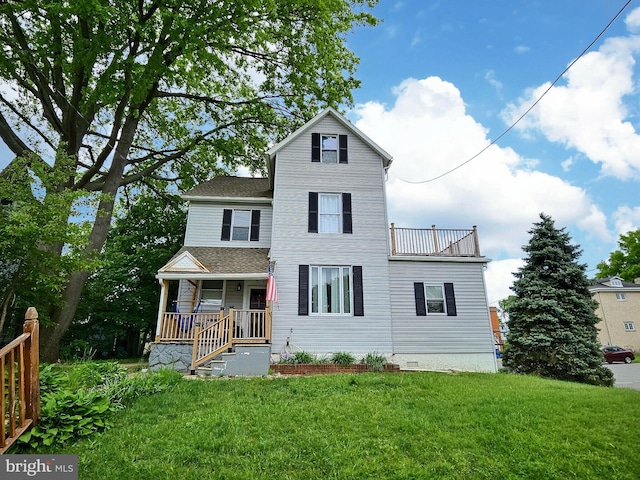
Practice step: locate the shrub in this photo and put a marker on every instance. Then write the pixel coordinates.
(342, 358)
(80, 400)
(375, 361)
(297, 358)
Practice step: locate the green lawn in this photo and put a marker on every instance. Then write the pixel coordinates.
(381, 426)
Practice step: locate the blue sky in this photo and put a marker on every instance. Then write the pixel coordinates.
(440, 80)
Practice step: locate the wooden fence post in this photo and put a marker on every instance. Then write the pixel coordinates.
(32, 364)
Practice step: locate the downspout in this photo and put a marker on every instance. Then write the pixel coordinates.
(604, 318)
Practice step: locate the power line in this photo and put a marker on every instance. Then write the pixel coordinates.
(494, 141)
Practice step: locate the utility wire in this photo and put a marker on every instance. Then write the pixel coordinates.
(494, 141)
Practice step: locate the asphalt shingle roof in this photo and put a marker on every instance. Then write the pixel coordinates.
(233, 187)
(229, 260)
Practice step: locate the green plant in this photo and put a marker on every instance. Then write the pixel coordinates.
(299, 358)
(66, 415)
(91, 375)
(375, 361)
(342, 358)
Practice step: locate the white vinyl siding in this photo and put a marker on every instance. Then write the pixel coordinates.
(293, 245)
(467, 332)
(204, 224)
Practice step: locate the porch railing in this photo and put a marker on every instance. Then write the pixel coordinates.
(20, 383)
(180, 327)
(238, 326)
(434, 242)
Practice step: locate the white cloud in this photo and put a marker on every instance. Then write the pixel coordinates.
(428, 132)
(588, 113)
(499, 277)
(522, 49)
(490, 77)
(567, 164)
(633, 21)
(626, 219)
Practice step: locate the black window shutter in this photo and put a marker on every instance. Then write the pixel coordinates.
(255, 226)
(346, 213)
(343, 149)
(303, 290)
(315, 147)
(358, 297)
(313, 212)
(450, 298)
(421, 305)
(226, 225)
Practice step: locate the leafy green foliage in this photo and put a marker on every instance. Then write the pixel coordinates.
(120, 301)
(552, 321)
(79, 400)
(300, 357)
(376, 361)
(625, 262)
(342, 358)
(159, 94)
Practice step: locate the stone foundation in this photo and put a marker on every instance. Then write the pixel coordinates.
(175, 356)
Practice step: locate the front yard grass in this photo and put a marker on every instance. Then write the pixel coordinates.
(382, 426)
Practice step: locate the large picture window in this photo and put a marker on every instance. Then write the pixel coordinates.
(330, 290)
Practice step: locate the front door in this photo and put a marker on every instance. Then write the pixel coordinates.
(258, 299)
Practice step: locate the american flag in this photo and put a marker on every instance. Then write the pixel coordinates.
(272, 293)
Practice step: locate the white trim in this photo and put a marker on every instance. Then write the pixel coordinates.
(340, 118)
(197, 266)
(211, 276)
(211, 199)
(427, 258)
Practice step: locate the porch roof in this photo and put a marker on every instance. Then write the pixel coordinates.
(221, 262)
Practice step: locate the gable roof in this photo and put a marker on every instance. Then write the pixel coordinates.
(271, 153)
(217, 262)
(231, 188)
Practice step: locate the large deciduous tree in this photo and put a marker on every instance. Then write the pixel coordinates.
(109, 93)
(552, 321)
(119, 304)
(625, 262)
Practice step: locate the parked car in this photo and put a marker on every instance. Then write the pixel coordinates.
(613, 353)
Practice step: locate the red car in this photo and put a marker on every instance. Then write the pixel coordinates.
(617, 354)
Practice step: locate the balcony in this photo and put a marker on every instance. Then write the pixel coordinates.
(434, 241)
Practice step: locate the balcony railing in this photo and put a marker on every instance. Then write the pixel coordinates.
(434, 242)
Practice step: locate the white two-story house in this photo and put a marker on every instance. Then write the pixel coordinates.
(345, 279)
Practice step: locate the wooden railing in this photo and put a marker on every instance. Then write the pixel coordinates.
(434, 242)
(180, 327)
(20, 383)
(238, 326)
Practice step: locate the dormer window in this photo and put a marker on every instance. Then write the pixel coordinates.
(329, 148)
(615, 282)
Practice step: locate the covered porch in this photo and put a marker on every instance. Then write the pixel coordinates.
(211, 300)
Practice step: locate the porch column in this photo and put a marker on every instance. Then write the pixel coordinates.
(164, 291)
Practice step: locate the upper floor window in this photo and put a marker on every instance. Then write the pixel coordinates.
(615, 282)
(621, 297)
(240, 225)
(329, 148)
(629, 326)
(330, 213)
(434, 297)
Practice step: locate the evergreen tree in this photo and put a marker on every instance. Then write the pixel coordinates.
(552, 321)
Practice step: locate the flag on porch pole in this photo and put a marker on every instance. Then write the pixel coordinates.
(272, 293)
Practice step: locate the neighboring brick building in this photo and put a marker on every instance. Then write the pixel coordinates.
(619, 312)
